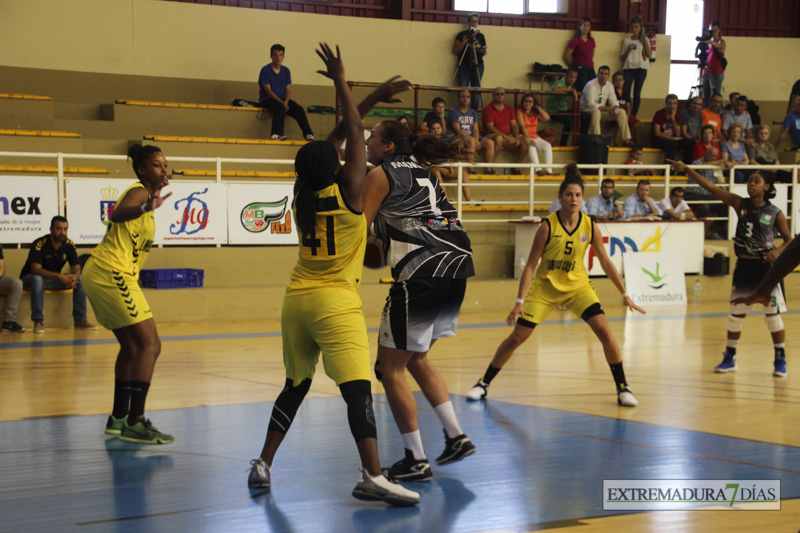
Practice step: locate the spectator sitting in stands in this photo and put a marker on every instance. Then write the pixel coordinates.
(528, 114)
(762, 152)
(675, 207)
(692, 119)
(500, 125)
(667, 131)
(463, 122)
(605, 206)
(560, 107)
(729, 107)
(436, 115)
(711, 116)
(639, 204)
(735, 152)
(636, 159)
(739, 116)
(694, 192)
(791, 126)
(402, 119)
(599, 104)
(12, 286)
(275, 83)
(42, 271)
(618, 81)
(706, 142)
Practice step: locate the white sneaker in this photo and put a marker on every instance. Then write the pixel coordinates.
(309, 137)
(276, 137)
(478, 392)
(378, 488)
(626, 399)
(259, 477)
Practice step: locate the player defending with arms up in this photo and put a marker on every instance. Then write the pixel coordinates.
(561, 279)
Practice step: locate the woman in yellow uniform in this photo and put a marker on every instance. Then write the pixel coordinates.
(561, 279)
(322, 310)
(111, 280)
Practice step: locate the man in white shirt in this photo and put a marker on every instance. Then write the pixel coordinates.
(675, 207)
(599, 104)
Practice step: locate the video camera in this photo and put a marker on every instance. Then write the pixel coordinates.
(706, 36)
(701, 51)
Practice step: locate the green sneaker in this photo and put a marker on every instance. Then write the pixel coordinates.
(114, 425)
(143, 432)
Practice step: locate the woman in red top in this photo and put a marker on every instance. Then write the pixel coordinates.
(580, 53)
(706, 142)
(714, 73)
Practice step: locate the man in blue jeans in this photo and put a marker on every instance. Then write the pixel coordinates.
(470, 47)
(42, 271)
(275, 94)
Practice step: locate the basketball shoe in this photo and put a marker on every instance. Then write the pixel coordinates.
(455, 449)
(409, 469)
(478, 392)
(728, 364)
(143, 432)
(114, 425)
(259, 477)
(378, 488)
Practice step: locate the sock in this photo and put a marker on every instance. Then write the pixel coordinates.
(413, 442)
(491, 372)
(122, 398)
(780, 349)
(138, 396)
(619, 375)
(447, 416)
(730, 346)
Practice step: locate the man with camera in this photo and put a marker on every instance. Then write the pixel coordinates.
(470, 47)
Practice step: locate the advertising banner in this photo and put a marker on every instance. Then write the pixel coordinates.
(260, 214)
(27, 204)
(90, 202)
(196, 213)
(655, 279)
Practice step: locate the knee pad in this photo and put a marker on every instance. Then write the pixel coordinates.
(378, 373)
(593, 310)
(774, 323)
(287, 404)
(735, 323)
(360, 415)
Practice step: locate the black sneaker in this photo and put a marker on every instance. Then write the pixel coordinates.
(10, 325)
(409, 469)
(455, 449)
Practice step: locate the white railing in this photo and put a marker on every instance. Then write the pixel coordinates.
(529, 199)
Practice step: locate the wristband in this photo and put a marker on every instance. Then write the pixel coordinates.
(626, 295)
(520, 301)
(144, 207)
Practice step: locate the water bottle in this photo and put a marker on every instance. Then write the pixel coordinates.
(519, 266)
(697, 289)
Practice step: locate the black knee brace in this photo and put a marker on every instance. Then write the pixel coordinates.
(593, 310)
(358, 396)
(378, 372)
(287, 404)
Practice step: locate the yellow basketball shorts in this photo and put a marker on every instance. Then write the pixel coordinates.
(116, 297)
(329, 321)
(542, 298)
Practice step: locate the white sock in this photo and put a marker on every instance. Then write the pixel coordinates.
(413, 441)
(732, 343)
(447, 416)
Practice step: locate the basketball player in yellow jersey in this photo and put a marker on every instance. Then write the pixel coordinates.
(111, 277)
(322, 310)
(561, 279)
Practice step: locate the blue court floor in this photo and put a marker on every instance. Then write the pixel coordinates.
(536, 468)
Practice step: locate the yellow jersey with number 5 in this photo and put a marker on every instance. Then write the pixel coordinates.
(332, 256)
(562, 260)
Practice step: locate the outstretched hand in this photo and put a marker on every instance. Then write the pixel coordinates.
(387, 90)
(157, 200)
(676, 166)
(515, 313)
(632, 306)
(333, 63)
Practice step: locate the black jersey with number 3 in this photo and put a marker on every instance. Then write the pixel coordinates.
(420, 229)
(755, 230)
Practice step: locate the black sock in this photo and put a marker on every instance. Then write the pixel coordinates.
(122, 398)
(491, 372)
(138, 396)
(780, 352)
(619, 375)
(731, 350)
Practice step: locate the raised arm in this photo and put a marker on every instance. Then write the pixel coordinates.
(609, 268)
(727, 197)
(384, 93)
(351, 177)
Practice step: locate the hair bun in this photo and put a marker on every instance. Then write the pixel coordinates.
(133, 150)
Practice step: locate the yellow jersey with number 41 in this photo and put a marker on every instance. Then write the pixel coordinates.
(562, 260)
(332, 256)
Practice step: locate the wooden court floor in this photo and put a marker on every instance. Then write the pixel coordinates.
(547, 436)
